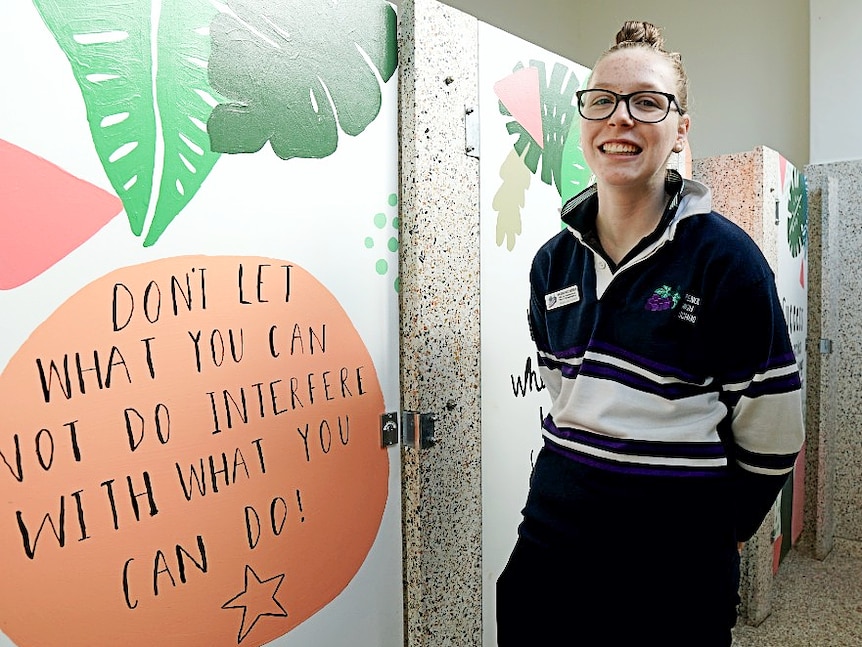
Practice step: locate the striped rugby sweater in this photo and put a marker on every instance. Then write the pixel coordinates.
(677, 362)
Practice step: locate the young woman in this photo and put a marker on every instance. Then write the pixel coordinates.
(676, 410)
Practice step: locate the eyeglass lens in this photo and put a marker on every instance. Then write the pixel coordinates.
(645, 106)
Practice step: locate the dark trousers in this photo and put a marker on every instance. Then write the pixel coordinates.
(541, 602)
(608, 564)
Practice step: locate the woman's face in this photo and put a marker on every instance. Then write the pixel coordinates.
(623, 152)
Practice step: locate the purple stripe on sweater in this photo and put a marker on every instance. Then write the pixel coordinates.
(784, 384)
(638, 360)
(772, 363)
(570, 371)
(640, 383)
(628, 378)
(637, 447)
(568, 353)
(770, 461)
(636, 469)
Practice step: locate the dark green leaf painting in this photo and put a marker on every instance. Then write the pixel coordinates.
(797, 207)
(169, 85)
(295, 71)
(545, 121)
(558, 118)
(143, 78)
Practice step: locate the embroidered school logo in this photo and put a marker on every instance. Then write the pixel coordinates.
(664, 298)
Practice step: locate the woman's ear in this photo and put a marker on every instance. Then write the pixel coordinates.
(682, 133)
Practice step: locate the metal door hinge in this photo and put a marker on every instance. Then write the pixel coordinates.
(417, 429)
(825, 346)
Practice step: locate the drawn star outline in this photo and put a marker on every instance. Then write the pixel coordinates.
(257, 599)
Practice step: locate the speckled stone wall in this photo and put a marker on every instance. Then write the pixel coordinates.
(734, 193)
(440, 373)
(819, 519)
(839, 188)
(744, 188)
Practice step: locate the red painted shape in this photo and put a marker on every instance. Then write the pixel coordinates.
(776, 553)
(802, 274)
(45, 213)
(519, 92)
(798, 511)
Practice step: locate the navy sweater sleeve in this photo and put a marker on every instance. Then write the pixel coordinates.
(761, 387)
(754, 495)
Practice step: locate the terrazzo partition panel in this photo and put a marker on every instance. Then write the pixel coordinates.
(819, 518)
(440, 325)
(766, 196)
(840, 190)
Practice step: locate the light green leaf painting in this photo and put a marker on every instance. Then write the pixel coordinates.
(574, 172)
(295, 71)
(141, 66)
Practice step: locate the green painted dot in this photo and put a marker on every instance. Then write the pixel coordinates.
(382, 267)
(369, 242)
(396, 222)
(393, 245)
(380, 220)
(393, 199)
(397, 284)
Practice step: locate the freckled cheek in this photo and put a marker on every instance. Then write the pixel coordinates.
(588, 140)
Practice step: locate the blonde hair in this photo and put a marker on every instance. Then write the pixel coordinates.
(636, 33)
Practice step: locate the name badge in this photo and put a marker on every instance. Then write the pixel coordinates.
(562, 298)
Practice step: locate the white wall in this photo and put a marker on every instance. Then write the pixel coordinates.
(748, 61)
(836, 80)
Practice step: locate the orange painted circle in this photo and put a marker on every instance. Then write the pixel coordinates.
(211, 475)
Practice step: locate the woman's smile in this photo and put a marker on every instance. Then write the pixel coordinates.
(620, 148)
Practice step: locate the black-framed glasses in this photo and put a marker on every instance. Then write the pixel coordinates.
(647, 106)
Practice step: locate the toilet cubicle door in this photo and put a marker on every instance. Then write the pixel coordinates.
(198, 324)
(530, 163)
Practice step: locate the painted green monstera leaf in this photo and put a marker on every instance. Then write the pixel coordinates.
(142, 74)
(294, 71)
(797, 223)
(559, 118)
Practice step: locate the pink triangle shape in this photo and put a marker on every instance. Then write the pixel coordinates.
(45, 213)
(782, 167)
(519, 92)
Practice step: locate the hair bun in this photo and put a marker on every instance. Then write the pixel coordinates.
(638, 34)
(636, 31)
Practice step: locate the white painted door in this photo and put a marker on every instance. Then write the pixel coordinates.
(531, 162)
(196, 347)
